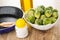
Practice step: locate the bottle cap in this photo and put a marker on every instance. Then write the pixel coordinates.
(20, 23)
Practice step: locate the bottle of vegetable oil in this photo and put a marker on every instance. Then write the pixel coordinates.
(26, 4)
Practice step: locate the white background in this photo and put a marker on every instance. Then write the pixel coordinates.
(15, 3)
(43, 2)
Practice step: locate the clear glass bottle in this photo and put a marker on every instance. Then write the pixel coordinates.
(26, 4)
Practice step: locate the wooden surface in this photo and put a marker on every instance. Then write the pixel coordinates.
(52, 34)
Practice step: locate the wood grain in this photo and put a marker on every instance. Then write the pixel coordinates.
(52, 34)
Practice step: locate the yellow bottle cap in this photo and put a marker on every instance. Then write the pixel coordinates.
(20, 23)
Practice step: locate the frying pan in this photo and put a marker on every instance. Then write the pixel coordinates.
(9, 14)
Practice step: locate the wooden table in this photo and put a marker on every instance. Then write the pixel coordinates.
(52, 34)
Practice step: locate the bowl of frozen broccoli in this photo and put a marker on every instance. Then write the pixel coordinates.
(42, 18)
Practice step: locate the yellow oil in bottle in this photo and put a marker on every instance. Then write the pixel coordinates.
(26, 4)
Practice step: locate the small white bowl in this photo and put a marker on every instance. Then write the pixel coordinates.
(42, 27)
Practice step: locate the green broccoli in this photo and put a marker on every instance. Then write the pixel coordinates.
(47, 21)
(31, 19)
(41, 9)
(37, 14)
(43, 16)
(55, 13)
(31, 12)
(39, 21)
(48, 13)
(53, 19)
(49, 8)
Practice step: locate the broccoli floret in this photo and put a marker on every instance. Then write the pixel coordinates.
(37, 14)
(53, 19)
(30, 12)
(39, 21)
(55, 13)
(48, 13)
(49, 8)
(47, 21)
(31, 19)
(41, 9)
(43, 16)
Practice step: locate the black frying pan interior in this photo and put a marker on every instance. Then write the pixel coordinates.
(10, 14)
